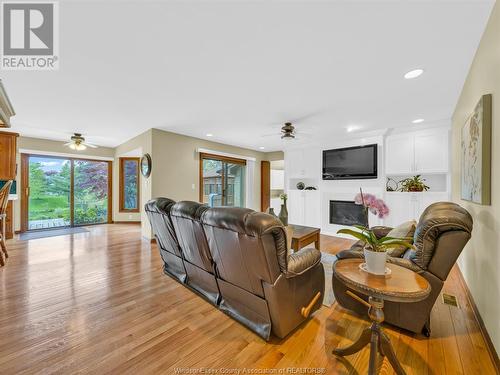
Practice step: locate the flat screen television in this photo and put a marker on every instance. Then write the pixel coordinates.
(350, 163)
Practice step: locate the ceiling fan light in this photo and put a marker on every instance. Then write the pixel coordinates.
(72, 146)
(80, 147)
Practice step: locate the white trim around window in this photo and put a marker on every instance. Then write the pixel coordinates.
(64, 155)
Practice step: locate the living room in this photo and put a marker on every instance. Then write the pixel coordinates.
(250, 187)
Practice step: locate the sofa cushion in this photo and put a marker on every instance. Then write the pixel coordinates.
(406, 231)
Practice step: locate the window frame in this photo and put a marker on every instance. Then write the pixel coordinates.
(121, 177)
(220, 158)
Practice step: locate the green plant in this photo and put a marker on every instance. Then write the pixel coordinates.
(283, 197)
(376, 244)
(415, 183)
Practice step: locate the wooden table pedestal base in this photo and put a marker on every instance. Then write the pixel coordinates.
(378, 340)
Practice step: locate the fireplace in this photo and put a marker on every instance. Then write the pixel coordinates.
(347, 213)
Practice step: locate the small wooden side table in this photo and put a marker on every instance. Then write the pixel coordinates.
(402, 285)
(303, 236)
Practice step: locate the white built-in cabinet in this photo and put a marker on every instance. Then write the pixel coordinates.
(303, 163)
(409, 206)
(277, 179)
(426, 153)
(304, 207)
(420, 152)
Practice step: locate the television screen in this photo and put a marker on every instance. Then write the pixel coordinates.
(350, 163)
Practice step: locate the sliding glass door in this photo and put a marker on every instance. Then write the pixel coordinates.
(91, 186)
(49, 192)
(62, 192)
(222, 181)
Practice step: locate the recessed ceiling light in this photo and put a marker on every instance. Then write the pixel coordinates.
(418, 121)
(414, 73)
(352, 128)
(210, 135)
(261, 147)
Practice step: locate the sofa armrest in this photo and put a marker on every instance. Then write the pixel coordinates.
(381, 231)
(302, 261)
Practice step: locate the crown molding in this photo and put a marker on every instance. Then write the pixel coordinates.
(6, 109)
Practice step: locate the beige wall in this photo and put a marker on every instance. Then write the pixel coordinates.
(141, 144)
(44, 145)
(480, 261)
(175, 172)
(177, 165)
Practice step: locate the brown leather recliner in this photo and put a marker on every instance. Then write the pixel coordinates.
(238, 260)
(441, 234)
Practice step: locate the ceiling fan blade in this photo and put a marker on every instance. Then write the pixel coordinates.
(305, 135)
(90, 145)
(68, 143)
(271, 135)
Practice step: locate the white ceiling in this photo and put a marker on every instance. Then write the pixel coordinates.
(235, 69)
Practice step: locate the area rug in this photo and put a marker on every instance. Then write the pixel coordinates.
(50, 233)
(327, 260)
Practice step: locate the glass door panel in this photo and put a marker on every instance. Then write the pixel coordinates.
(234, 185)
(223, 183)
(212, 182)
(49, 182)
(91, 180)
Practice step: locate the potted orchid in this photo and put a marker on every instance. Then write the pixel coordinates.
(375, 248)
(372, 204)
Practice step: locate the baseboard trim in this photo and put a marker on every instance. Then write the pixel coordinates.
(489, 344)
(127, 222)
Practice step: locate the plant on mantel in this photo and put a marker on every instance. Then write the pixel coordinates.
(412, 184)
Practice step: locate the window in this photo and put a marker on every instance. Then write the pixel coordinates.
(129, 184)
(222, 180)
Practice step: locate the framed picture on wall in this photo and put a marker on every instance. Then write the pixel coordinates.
(476, 154)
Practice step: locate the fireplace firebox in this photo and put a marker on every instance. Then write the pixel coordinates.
(347, 213)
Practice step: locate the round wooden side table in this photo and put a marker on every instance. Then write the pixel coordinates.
(401, 285)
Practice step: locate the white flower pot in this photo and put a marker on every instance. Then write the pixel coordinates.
(375, 261)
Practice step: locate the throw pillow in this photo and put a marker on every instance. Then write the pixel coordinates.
(406, 231)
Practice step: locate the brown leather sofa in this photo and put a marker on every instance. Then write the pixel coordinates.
(238, 260)
(442, 232)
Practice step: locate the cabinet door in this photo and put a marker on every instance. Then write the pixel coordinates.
(277, 179)
(8, 159)
(312, 215)
(399, 154)
(295, 207)
(425, 199)
(431, 152)
(401, 208)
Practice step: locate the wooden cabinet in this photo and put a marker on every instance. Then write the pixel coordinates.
(8, 170)
(419, 152)
(8, 146)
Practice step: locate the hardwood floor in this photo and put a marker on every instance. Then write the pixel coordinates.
(99, 303)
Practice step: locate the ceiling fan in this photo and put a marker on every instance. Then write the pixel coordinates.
(78, 143)
(288, 132)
